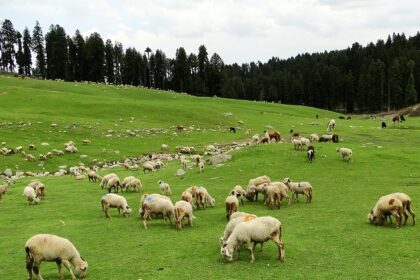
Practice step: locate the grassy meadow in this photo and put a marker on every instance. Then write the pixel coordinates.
(327, 239)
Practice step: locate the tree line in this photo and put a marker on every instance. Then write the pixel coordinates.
(380, 76)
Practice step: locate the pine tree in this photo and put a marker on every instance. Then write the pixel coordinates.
(109, 62)
(95, 58)
(118, 61)
(80, 64)
(27, 55)
(19, 54)
(38, 48)
(57, 52)
(71, 63)
(410, 91)
(9, 39)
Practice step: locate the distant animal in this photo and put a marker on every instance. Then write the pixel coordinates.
(349, 117)
(396, 119)
(311, 153)
(232, 129)
(402, 119)
(383, 125)
(179, 128)
(341, 117)
(331, 125)
(317, 116)
(273, 134)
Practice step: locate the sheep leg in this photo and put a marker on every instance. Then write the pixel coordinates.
(145, 216)
(60, 273)
(411, 213)
(36, 270)
(106, 210)
(29, 265)
(68, 266)
(190, 220)
(250, 246)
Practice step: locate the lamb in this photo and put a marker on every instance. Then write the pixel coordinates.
(39, 188)
(387, 206)
(311, 153)
(232, 205)
(4, 188)
(30, 157)
(52, 248)
(305, 141)
(165, 189)
(274, 193)
(183, 209)
(297, 144)
(345, 152)
(105, 179)
(148, 166)
(32, 147)
(30, 195)
(201, 166)
(187, 196)
(203, 198)
(330, 125)
(93, 176)
(112, 200)
(131, 182)
(313, 137)
(299, 188)
(113, 183)
(258, 230)
(164, 147)
(234, 221)
(156, 205)
(240, 193)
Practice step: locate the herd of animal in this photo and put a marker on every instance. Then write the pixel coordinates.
(241, 228)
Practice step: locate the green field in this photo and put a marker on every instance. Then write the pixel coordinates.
(328, 239)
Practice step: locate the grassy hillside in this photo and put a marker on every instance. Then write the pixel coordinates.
(328, 239)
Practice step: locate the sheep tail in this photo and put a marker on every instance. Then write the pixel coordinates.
(102, 202)
(29, 258)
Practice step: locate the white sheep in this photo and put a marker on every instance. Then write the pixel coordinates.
(314, 137)
(187, 196)
(165, 189)
(330, 125)
(112, 200)
(131, 182)
(183, 163)
(258, 230)
(156, 205)
(30, 157)
(164, 147)
(30, 195)
(39, 188)
(148, 166)
(105, 179)
(52, 248)
(254, 187)
(240, 193)
(256, 138)
(345, 152)
(232, 204)
(183, 209)
(201, 166)
(299, 188)
(3, 188)
(93, 176)
(203, 198)
(305, 141)
(297, 144)
(235, 219)
(282, 190)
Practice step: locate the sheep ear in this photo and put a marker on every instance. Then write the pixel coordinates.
(224, 245)
(127, 207)
(391, 201)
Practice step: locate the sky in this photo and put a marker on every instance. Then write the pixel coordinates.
(238, 30)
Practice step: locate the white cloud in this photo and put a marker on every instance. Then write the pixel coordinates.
(238, 30)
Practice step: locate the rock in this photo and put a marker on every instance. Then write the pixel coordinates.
(8, 172)
(217, 159)
(53, 125)
(19, 174)
(83, 156)
(44, 144)
(180, 172)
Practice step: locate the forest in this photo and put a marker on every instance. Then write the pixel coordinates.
(359, 79)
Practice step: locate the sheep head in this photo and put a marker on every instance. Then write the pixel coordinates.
(81, 266)
(227, 252)
(127, 211)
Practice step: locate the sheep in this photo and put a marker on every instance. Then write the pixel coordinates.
(396, 119)
(30, 195)
(197, 159)
(297, 144)
(274, 193)
(331, 125)
(329, 137)
(156, 205)
(112, 200)
(255, 138)
(299, 187)
(311, 153)
(131, 182)
(49, 155)
(93, 176)
(39, 188)
(113, 183)
(165, 189)
(234, 221)
(183, 209)
(383, 125)
(273, 134)
(203, 198)
(32, 147)
(259, 180)
(313, 137)
(105, 179)
(187, 196)
(86, 142)
(305, 141)
(4, 188)
(232, 204)
(240, 193)
(201, 166)
(258, 230)
(19, 149)
(30, 157)
(390, 205)
(183, 163)
(70, 149)
(52, 248)
(148, 166)
(164, 147)
(74, 170)
(345, 152)
(253, 187)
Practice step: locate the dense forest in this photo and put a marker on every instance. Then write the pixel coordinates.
(380, 76)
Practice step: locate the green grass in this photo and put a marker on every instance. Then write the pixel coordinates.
(328, 239)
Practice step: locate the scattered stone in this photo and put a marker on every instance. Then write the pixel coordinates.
(217, 159)
(8, 172)
(180, 172)
(44, 144)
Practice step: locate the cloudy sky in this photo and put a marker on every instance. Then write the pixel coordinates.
(238, 30)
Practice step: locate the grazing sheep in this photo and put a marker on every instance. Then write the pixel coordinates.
(235, 219)
(396, 119)
(305, 141)
(112, 200)
(19, 149)
(30, 157)
(345, 152)
(183, 163)
(49, 155)
(402, 119)
(255, 138)
(299, 188)
(192, 190)
(164, 147)
(201, 166)
(240, 193)
(329, 137)
(39, 188)
(331, 125)
(180, 128)
(4, 188)
(156, 205)
(93, 176)
(313, 137)
(259, 180)
(148, 166)
(105, 179)
(32, 147)
(254, 187)
(203, 198)
(187, 196)
(274, 193)
(165, 189)
(231, 204)
(258, 230)
(52, 248)
(297, 144)
(383, 125)
(273, 134)
(183, 209)
(113, 183)
(30, 195)
(232, 129)
(311, 153)
(197, 159)
(131, 182)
